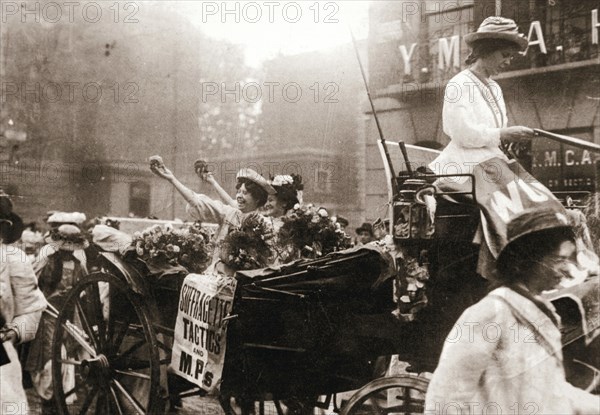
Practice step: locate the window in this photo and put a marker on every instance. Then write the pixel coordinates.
(139, 199)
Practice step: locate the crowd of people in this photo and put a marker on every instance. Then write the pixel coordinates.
(523, 257)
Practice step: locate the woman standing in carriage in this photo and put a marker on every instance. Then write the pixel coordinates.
(475, 119)
(252, 193)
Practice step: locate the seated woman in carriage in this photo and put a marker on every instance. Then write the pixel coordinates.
(475, 119)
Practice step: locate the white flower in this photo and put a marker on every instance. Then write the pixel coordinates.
(297, 206)
(282, 179)
(322, 213)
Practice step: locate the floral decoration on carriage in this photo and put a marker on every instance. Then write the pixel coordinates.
(167, 250)
(312, 232)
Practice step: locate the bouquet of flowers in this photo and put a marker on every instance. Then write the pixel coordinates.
(311, 231)
(162, 248)
(248, 247)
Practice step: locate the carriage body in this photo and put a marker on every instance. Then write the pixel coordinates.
(312, 328)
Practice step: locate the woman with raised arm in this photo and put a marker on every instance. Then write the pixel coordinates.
(252, 193)
(505, 352)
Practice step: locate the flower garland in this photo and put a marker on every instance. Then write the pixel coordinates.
(74, 238)
(249, 246)
(163, 246)
(312, 231)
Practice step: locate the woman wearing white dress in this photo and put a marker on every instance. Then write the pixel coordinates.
(474, 111)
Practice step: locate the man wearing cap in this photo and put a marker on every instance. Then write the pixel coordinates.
(505, 352)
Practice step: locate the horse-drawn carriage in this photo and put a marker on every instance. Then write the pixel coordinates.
(299, 334)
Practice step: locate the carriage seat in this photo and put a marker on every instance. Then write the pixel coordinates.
(457, 214)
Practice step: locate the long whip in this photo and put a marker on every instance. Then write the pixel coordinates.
(381, 137)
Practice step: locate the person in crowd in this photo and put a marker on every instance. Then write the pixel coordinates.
(489, 359)
(365, 234)
(252, 193)
(342, 221)
(21, 307)
(63, 264)
(31, 242)
(381, 228)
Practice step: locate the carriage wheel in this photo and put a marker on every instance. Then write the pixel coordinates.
(105, 354)
(392, 395)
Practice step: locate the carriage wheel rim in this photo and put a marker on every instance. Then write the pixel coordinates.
(103, 378)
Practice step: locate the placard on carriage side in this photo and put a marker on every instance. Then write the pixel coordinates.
(201, 329)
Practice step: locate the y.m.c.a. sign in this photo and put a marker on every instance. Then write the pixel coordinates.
(448, 48)
(564, 168)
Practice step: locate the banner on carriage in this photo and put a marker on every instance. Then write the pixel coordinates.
(201, 329)
(503, 189)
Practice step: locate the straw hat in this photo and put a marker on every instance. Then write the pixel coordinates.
(253, 176)
(74, 218)
(497, 27)
(67, 238)
(533, 221)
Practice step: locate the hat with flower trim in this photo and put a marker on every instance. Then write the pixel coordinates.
(253, 176)
(67, 237)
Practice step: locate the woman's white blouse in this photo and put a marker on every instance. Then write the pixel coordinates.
(471, 123)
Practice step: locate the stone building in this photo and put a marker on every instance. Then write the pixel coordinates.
(416, 47)
(95, 90)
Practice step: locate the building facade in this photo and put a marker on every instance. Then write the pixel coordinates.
(416, 47)
(93, 90)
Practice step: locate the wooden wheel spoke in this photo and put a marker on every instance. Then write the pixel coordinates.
(133, 374)
(132, 349)
(131, 364)
(75, 389)
(88, 400)
(69, 362)
(75, 333)
(130, 398)
(115, 400)
(86, 325)
(97, 309)
(104, 323)
(117, 338)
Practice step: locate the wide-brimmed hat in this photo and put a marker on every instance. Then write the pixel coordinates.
(365, 227)
(73, 218)
(342, 221)
(67, 238)
(497, 27)
(533, 221)
(253, 176)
